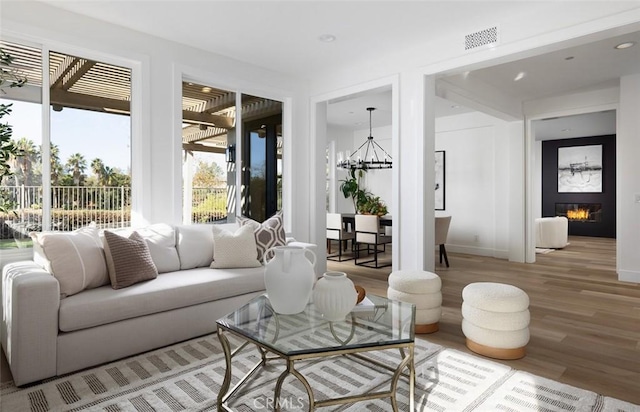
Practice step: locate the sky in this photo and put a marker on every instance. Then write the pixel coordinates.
(93, 134)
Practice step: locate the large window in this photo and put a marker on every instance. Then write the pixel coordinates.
(212, 158)
(208, 130)
(86, 152)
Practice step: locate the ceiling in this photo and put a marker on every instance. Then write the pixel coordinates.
(284, 36)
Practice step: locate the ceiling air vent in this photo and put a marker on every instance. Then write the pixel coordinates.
(481, 38)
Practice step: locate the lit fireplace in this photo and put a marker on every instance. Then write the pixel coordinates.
(580, 212)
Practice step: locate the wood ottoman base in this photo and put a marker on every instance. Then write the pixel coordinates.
(496, 353)
(429, 328)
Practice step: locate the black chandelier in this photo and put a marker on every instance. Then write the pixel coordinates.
(366, 156)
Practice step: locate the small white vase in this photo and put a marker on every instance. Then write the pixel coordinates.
(288, 278)
(334, 296)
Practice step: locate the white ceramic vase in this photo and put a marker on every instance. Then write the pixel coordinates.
(334, 296)
(288, 278)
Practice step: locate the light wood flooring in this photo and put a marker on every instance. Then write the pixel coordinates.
(585, 324)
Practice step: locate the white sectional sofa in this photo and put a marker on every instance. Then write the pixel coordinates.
(45, 334)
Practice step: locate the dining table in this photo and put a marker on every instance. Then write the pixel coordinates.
(350, 219)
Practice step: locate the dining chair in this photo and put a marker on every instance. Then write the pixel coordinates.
(336, 232)
(368, 233)
(442, 230)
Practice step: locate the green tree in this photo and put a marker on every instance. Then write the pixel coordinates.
(28, 154)
(208, 175)
(56, 167)
(76, 166)
(98, 169)
(9, 77)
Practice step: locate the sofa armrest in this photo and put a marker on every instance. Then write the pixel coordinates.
(30, 303)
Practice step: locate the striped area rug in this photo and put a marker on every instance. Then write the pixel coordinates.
(187, 377)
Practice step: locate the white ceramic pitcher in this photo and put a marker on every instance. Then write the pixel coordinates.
(289, 278)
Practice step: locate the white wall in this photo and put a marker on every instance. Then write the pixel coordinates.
(342, 138)
(628, 181)
(161, 65)
(476, 182)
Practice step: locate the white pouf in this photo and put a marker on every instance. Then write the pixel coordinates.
(495, 319)
(423, 289)
(552, 232)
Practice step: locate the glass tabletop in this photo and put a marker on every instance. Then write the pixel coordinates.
(377, 321)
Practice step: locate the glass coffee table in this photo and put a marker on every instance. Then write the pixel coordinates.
(380, 325)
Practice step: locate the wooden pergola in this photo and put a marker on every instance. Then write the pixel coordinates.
(207, 113)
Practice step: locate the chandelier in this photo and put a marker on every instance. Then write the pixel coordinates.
(370, 155)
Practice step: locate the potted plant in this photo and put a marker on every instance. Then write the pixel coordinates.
(350, 188)
(373, 205)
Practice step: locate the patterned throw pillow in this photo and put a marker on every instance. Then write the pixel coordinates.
(268, 234)
(234, 250)
(128, 259)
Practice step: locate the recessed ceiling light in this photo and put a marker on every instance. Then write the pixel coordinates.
(625, 45)
(455, 106)
(519, 76)
(565, 130)
(206, 89)
(569, 58)
(327, 38)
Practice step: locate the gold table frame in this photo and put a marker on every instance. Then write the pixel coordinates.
(407, 361)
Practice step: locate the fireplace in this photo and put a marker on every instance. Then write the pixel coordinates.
(580, 212)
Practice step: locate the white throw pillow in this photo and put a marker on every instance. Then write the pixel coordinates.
(161, 239)
(76, 259)
(234, 250)
(195, 245)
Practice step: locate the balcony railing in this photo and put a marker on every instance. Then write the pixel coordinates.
(73, 207)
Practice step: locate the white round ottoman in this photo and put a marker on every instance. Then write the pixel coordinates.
(495, 319)
(423, 289)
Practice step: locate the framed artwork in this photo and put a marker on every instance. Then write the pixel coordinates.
(580, 169)
(439, 186)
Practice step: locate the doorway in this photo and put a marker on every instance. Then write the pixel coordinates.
(262, 167)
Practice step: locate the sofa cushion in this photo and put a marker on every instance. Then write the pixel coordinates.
(75, 259)
(161, 239)
(269, 233)
(168, 291)
(234, 250)
(128, 260)
(194, 245)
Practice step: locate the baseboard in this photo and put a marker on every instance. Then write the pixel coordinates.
(629, 276)
(478, 251)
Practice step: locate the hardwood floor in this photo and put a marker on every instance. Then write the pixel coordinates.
(585, 324)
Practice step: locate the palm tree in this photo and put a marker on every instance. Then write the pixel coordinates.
(76, 165)
(27, 156)
(97, 166)
(54, 161)
(109, 175)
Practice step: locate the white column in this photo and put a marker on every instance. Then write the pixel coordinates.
(628, 186)
(413, 185)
